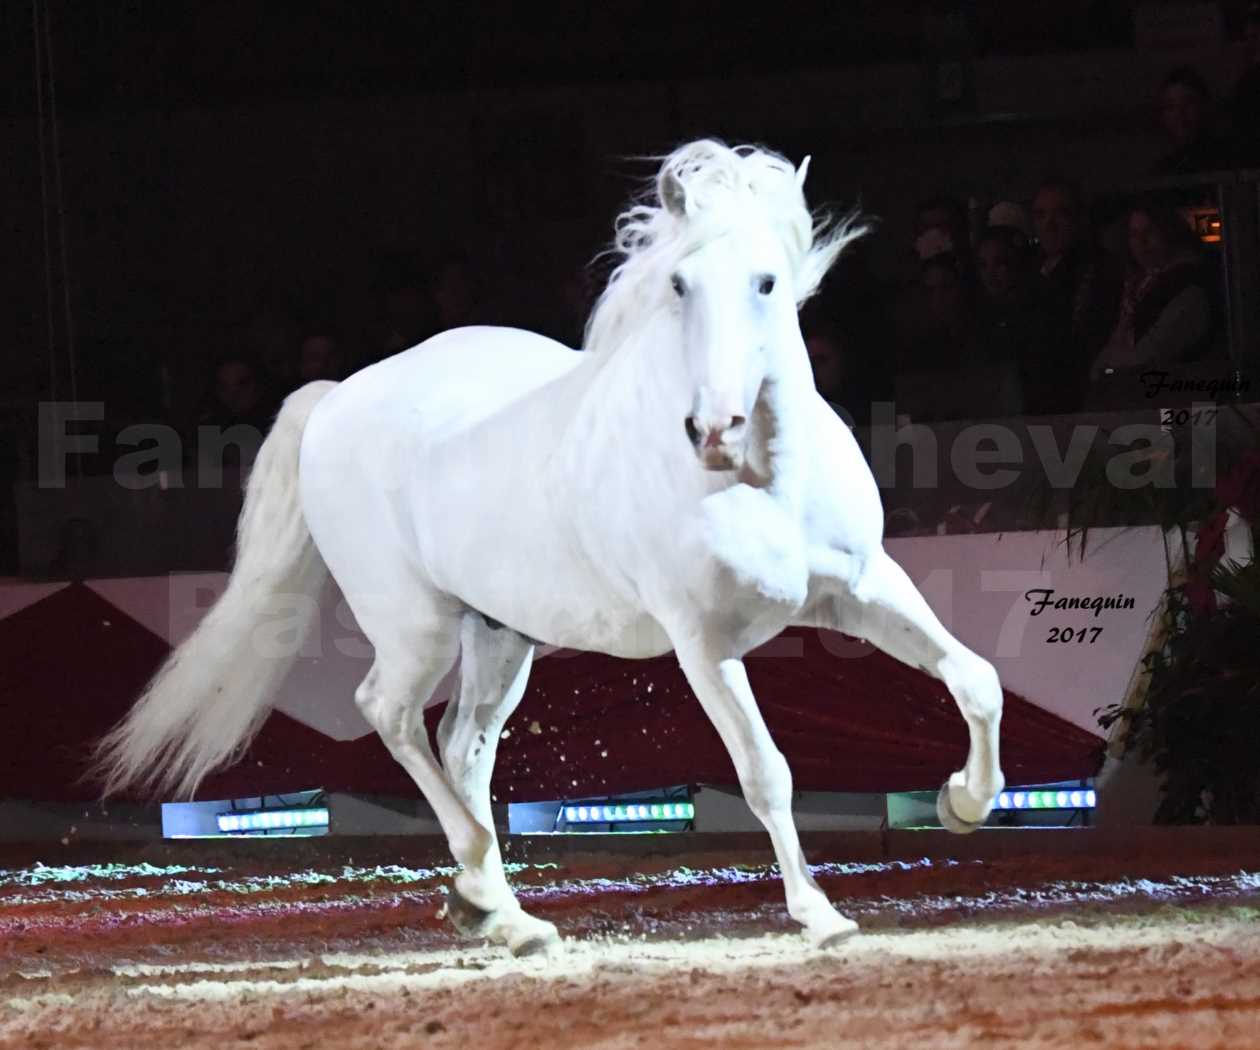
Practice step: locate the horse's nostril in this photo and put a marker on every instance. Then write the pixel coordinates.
(737, 421)
(693, 432)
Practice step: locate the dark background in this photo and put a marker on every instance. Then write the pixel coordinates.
(220, 160)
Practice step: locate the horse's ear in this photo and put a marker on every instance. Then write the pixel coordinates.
(800, 173)
(673, 196)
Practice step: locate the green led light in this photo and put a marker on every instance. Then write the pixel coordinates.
(656, 812)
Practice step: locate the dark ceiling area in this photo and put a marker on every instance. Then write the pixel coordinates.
(126, 54)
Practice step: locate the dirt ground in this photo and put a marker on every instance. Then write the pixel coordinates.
(208, 948)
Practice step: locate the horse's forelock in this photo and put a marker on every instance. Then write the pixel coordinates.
(717, 180)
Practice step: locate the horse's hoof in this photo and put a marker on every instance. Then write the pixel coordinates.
(835, 930)
(950, 820)
(535, 946)
(836, 938)
(465, 916)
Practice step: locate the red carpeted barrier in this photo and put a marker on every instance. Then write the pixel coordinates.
(847, 717)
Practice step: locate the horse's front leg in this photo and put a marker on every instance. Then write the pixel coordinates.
(884, 607)
(718, 678)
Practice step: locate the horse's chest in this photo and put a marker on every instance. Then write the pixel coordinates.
(755, 550)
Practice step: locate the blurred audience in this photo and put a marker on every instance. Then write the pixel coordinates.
(941, 227)
(1244, 101)
(937, 331)
(406, 315)
(320, 356)
(1166, 313)
(454, 292)
(1011, 332)
(1073, 297)
(235, 395)
(825, 348)
(268, 339)
(1188, 119)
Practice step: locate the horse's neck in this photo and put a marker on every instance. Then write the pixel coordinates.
(778, 455)
(637, 395)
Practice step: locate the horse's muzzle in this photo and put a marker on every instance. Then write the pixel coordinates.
(719, 444)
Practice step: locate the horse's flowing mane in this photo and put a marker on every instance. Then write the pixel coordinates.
(719, 182)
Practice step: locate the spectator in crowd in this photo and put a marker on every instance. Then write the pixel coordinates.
(1166, 312)
(941, 226)
(1244, 101)
(1009, 215)
(853, 313)
(1073, 298)
(454, 293)
(268, 339)
(235, 398)
(320, 356)
(937, 331)
(1188, 119)
(1006, 324)
(407, 314)
(936, 345)
(825, 345)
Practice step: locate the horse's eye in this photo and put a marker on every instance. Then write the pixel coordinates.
(766, 285)
(680, 289)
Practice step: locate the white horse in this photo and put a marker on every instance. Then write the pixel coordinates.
(680, 485)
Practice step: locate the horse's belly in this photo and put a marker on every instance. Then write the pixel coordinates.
(499, 551)
(632, 635)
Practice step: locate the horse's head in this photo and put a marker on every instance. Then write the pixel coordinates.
(729, 249)
(736, 310)
(749, 255)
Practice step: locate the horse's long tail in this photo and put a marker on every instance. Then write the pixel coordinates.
(211, 696)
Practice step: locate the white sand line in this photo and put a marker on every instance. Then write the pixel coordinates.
(582, 960)
(44, 1000)
(175, 969)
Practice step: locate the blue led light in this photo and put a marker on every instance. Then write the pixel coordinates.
(267, 820)
(1041, 799)
(626, 813)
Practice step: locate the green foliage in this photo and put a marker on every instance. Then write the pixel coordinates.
(1200, 722)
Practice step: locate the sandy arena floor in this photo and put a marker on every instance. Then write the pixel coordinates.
(212, 948)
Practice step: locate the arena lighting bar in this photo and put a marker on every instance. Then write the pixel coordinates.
(273, 819)
(627, 812)
(1071, 798)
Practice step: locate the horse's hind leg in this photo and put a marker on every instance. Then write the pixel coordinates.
(494, 669)
(886, 609)
(392, 698)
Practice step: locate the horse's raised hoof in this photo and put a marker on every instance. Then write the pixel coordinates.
(950, 820)
(465, 916)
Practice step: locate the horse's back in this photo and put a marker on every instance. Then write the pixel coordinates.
(364, 440)
(454, 380)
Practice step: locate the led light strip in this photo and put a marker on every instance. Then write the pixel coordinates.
(1072, 798)
(272, 819)
(629, 811)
